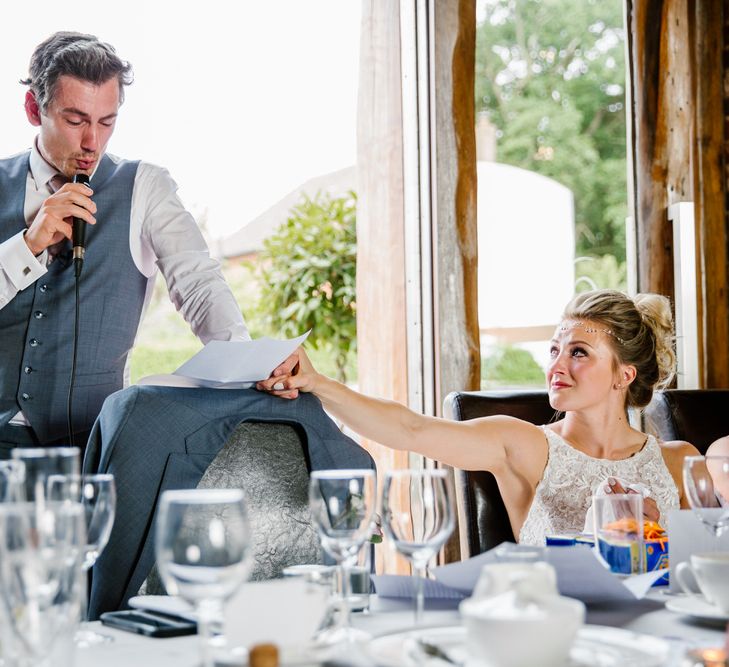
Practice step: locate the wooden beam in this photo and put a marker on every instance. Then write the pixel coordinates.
(381, 336)
(457, 335)
(710, 195)
(458, 363)
(678, 133)
(662, 130)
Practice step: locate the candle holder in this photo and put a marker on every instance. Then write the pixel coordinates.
(706, 657)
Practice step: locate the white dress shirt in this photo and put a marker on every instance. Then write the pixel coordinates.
(162, 235)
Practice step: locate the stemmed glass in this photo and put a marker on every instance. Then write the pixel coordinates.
(12, 481)
(342, 506)
(418, 516)
(706, 481)
(97, 495)
(202, 546)
(42, 462)
(41, 549)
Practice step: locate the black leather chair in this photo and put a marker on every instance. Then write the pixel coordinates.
(482, 517)
(699, 416)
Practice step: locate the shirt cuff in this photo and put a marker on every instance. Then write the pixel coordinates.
(19, 264)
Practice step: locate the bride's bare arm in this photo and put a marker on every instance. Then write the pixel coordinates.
(479, 444)
(674, 452)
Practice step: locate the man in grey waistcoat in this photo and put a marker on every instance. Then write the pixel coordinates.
(136, 224)
(150, 438)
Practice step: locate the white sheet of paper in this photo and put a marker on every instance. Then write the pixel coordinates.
(686, 536)
(401, 586)
(463, 575)
(284, 611)
(640, 584)
(229, 364)
(579, 575)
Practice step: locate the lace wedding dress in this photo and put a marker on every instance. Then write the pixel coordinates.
(570, 478)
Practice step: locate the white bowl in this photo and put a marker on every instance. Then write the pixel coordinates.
(538, 633)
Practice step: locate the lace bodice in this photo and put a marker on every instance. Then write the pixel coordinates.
(570, 477)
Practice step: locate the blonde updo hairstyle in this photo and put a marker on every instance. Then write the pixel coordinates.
(642, 336)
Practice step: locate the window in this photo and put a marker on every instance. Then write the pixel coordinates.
(552, 200)
(244, 103)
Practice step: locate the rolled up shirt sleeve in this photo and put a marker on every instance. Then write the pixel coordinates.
(19, 267)
(171, 239)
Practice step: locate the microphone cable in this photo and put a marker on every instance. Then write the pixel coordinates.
(71, 439)
(79, 228)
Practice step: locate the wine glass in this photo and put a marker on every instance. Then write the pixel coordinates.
(418, 516)
(97, 495)
(12, 481)
(41, 549)
(706, 481)
(202, 547)
(342, 506)
(40, 462)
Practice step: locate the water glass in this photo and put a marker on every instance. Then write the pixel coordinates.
(202, 545)
(97, 495)
(342, 506)
(418, 516)
(359, 579)
(41, 581)
(41, 462)
(12, 481)
(508, 552)
(619, 534)
(706, 482)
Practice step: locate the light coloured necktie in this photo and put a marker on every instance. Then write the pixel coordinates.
(57, 182)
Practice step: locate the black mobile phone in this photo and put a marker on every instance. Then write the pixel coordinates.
(148, 623)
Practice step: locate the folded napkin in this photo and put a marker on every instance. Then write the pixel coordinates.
(600, 491)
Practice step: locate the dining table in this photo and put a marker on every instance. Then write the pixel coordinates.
(647, 617)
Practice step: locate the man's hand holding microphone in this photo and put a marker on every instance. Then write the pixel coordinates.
(54, 220)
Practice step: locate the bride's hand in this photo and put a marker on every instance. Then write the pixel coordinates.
(295, 374)
(650, 507)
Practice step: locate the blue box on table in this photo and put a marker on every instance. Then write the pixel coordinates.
(622, 555)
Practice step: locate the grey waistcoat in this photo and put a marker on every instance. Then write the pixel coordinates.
(36, 327)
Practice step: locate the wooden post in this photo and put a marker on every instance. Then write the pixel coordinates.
(662, 131)
(710, 195)
(381, 285)
(381, 339)
(457, 337)
(458, 363)
(677, 122)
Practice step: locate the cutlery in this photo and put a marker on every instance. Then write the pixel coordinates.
(435, 651)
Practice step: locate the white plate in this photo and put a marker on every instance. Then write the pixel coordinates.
(307, 570)
(697, 607)
(595, 646)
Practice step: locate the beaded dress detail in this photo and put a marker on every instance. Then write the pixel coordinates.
(570, 477)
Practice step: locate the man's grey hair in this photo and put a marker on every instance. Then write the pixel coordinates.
(78, 55)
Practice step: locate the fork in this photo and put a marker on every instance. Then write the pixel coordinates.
(435, 651)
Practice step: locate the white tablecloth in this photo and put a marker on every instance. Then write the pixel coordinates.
(386, 616)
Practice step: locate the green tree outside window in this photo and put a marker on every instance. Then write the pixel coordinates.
(307, 273)
(550, 75)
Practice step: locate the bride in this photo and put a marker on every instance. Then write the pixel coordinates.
(608, 354)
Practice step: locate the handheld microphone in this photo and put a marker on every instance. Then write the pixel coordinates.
(78, 234)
